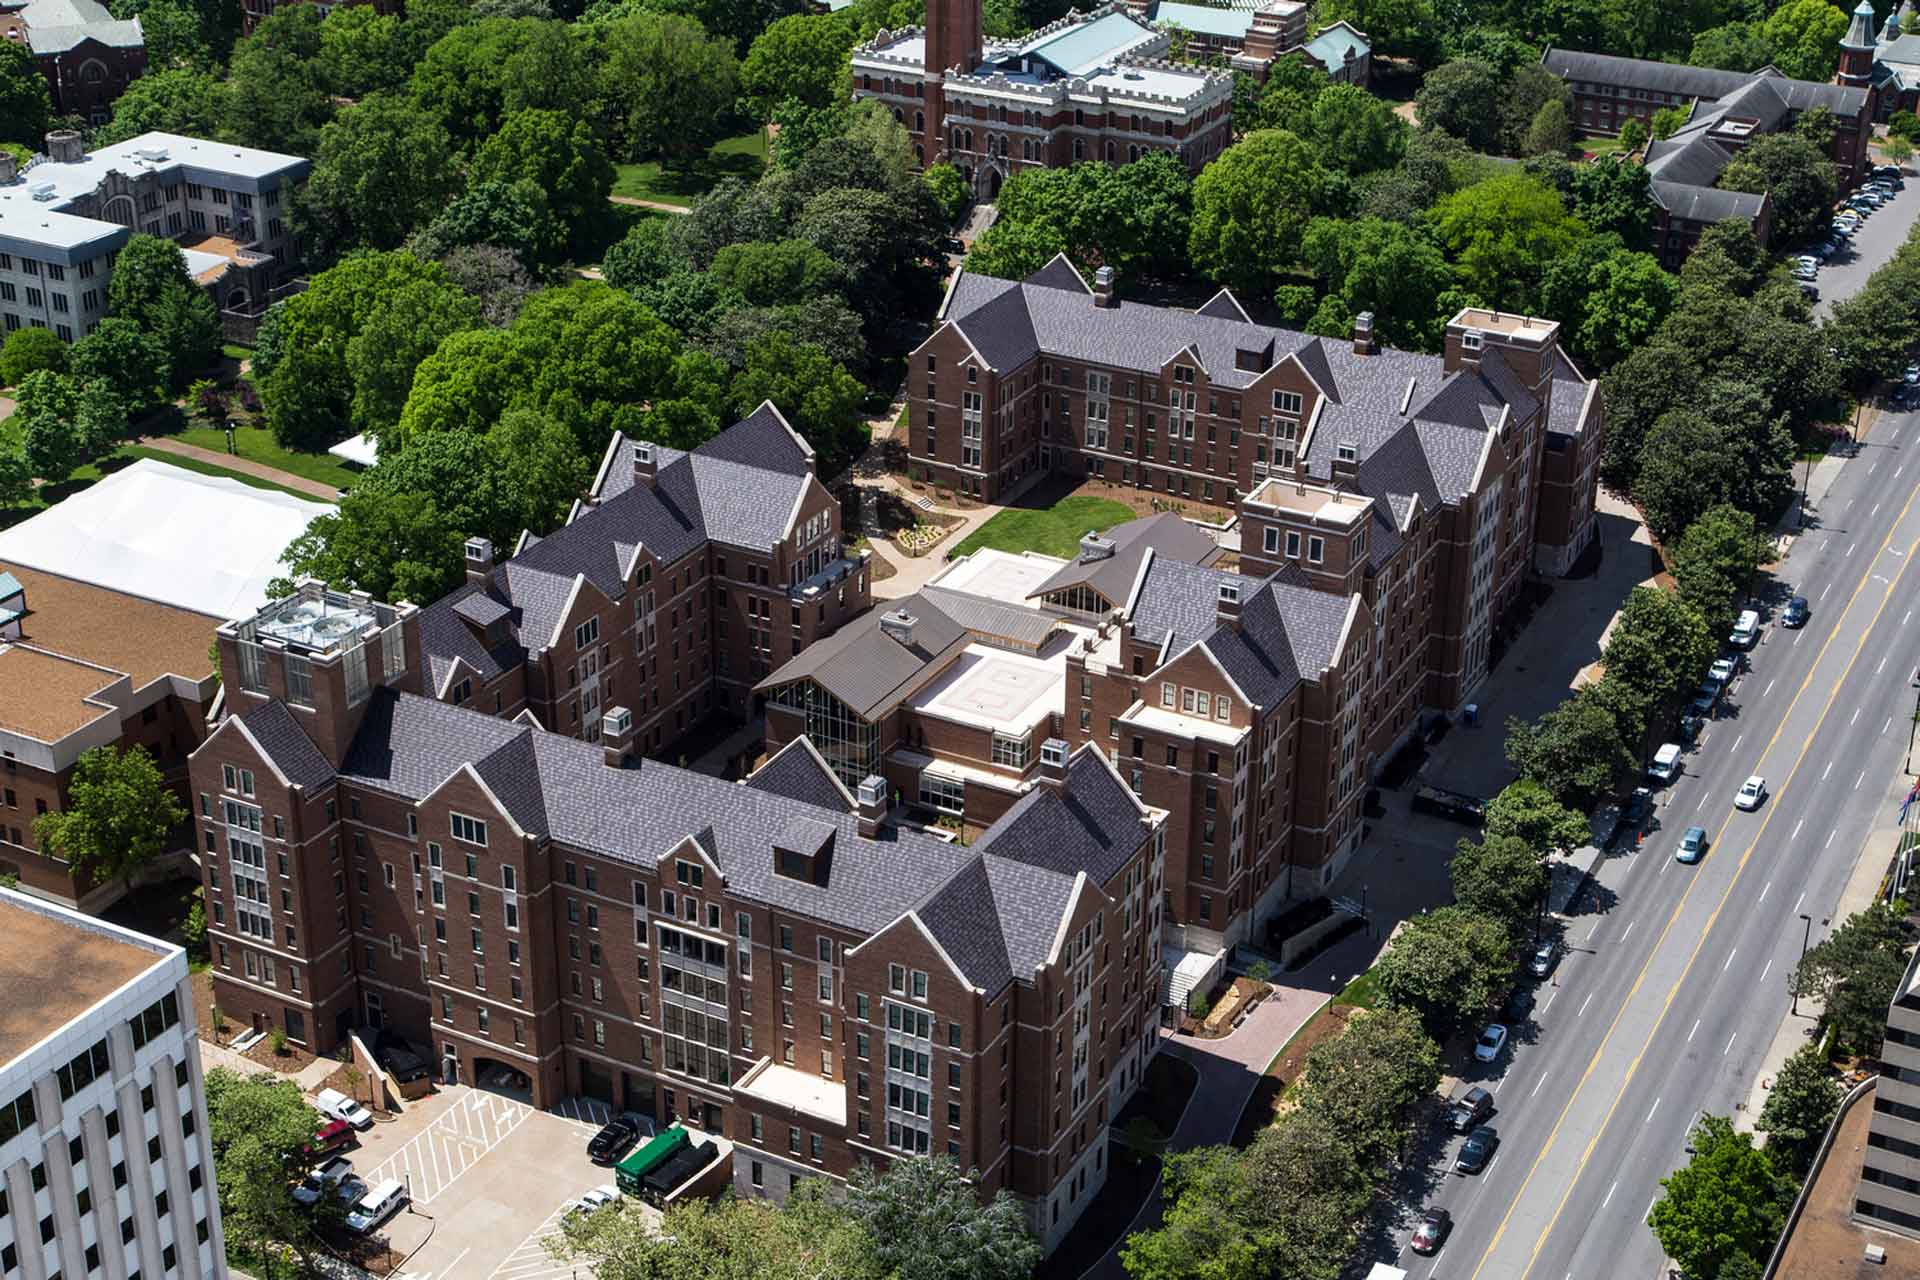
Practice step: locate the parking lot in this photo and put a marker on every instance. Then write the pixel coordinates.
(1843, 275)
(488, 1176)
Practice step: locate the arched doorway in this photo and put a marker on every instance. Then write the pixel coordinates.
(994, 179)
(119, 209)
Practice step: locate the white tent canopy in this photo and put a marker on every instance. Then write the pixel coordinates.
(359, 450)
(204, 543)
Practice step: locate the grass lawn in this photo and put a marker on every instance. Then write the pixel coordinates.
(256, 444)
(1598, 146)
(1363, 991)
(234, 351)
(132, 451)
(1053, 531)
(743, 156)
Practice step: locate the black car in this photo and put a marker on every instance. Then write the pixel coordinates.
(1470, 1108)
(1519, 1004)
(1476, 1150)
(1796, 613)
(1639, 805)
(612, 1141)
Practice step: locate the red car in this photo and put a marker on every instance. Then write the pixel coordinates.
(331, 1136)
(1433, 1228)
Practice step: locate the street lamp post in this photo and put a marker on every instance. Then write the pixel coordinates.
(1805, 938)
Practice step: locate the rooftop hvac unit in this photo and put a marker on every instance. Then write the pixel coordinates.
(42, 191)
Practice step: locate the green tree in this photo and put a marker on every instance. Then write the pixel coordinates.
(1252, 205)
(362, 52)
(1528, 89)
(395, 546)
(1714, 561)
(119, 356)
(259, 1127)
(1803, 38)
(802, 58)
(1610, 301)
(1355, 131)
(25, 105)
(1465, 98)
(151, 289)
(1660, 646)
(1446, 965)
(808, 1238)
(511, 215)
(1615, 195)
(1633, 135)
(118, 816)
(1897, 149)
(52, 440)
(1502, 878)
(950, 190)
(1796, 173)
(176, 100)
(29, 350)
(16, 476)
(276, 97)
(1729, 1199)
(1528, 812)
(819, 398)
(1390, 269)
(1410, 29)
(561, 157)
(1364, 1083)
(927, 1223)
(384, 168)
(1665, 122)
(1501, 233)
(645, 254)
(1801, 1104)
(1721, 449)
(672, 86)
(1854, 972)
(1550, 132)
(1733, 46)
(404, 328)
(1644, 385)
(769, 273)
(1577, 751)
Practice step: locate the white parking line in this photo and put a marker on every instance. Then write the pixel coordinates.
(1769, 969)
(433, 1159)
(1830, 836)
(1730, 1039)
(1856, 717)
(1803, 897)
(1763, 893)
(1862, 778)
(1630, 924)
(1536, 1085)
(1824, 772)
(1610, 1190)
(1584, 1004)
(1650, 1110)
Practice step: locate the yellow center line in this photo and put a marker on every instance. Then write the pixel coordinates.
(1634, 1065)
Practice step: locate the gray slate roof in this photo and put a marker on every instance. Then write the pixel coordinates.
(993, 619)
(57, 26)
(1112, 576)
(869, 670)
(288, 746)
(797, 772)
(738, 488)
(1697, 82)
(1288, 631)
(996, 907)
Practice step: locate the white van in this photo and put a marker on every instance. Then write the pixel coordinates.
(1746, 630)
(1666, 763)
(376, 1207)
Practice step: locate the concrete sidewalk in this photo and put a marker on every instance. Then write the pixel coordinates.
(245, 466)
(308, 1077)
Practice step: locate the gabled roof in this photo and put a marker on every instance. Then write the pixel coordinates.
(1166, 533)
(282, 740)
(1698, 82)
(869, 670)
(1288, 631)
(798, 772)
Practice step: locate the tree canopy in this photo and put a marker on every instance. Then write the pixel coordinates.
(1728, 1200)
(118, 817)
(1251, 207)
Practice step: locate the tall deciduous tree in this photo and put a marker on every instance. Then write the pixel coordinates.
(671, 85)
(810, 1237)
(1252, 205)
(1365, 1082)
(384, 168)
(927, 1223)
(1502, 878)
(404, 328)
(559, 156)
(1855, 971)
(1803, 38)
(177, 100)
(25, 105)
(1502, 233)
(801, 58)
(1578, 750)
(1354, 130)
(259, 1128)
(1465, 98)
(1799, 1107)
(396, 546)
(118, 817)
(29, 350)
(152, 290)
(1447, 966)
(1660, 646)
(1728, 1200)
(1527, 811)
(1715, 560)
(1797, 174)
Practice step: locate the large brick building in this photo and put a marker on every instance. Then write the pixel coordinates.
(775, 961)
(83, 666)
(1727, 110)
(1391, 506)
(88, 56)
(680, 581)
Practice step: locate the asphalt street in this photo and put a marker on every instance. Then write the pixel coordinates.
(1674, 980)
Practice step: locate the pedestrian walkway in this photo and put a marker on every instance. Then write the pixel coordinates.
(244, 466)
(658, 205)
(1229, 1070)
(309, 1077)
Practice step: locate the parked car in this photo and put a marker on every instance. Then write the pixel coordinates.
(1639, 805)
(1693, 843)
(608, 1145)
(376, 1207)
(598, 1198)
(338, 1106)
(404, 1065)
(1912, 376)
(317, 1181)
(1433, 1228)
(1842, 229)
(331, 1136)
(1666, 764)
(1491, 1042)
(1518, 1004)
(1752, 793)
(1470, 1108)
(953, 245)
(350, 1190)
(1724, 669)
(1455, 806)
(1690, 727)
(1477, 1149)
(1806, 269)
(1746, 630)
(1545, 956)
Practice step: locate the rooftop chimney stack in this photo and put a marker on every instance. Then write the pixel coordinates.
(1103, 295)
(66, 147)
(9, 168)
(1053, 765)
(898, 625)
(646, 467)
(1093, 547)
(872, 798)
(616, 735)
(1228, 605)
(479, 559)
(1363, 334)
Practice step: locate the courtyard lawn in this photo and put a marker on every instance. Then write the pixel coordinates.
(256, 444)
(1599, 146)
(1053, 531)
(743, 156)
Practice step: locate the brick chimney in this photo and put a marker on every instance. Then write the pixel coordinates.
(1363, 334)
(1103, 294)
(616, 735)
(479, 553)
(1227, 607)
(1053, 765)
(872, 799)
(646, 466)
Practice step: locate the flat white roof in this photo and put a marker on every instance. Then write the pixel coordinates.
(999, 575)
(794, 1090)
(1175, 722)
(991, 688)
(204, 543)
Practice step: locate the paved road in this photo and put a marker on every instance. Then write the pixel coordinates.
(1675, 978)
